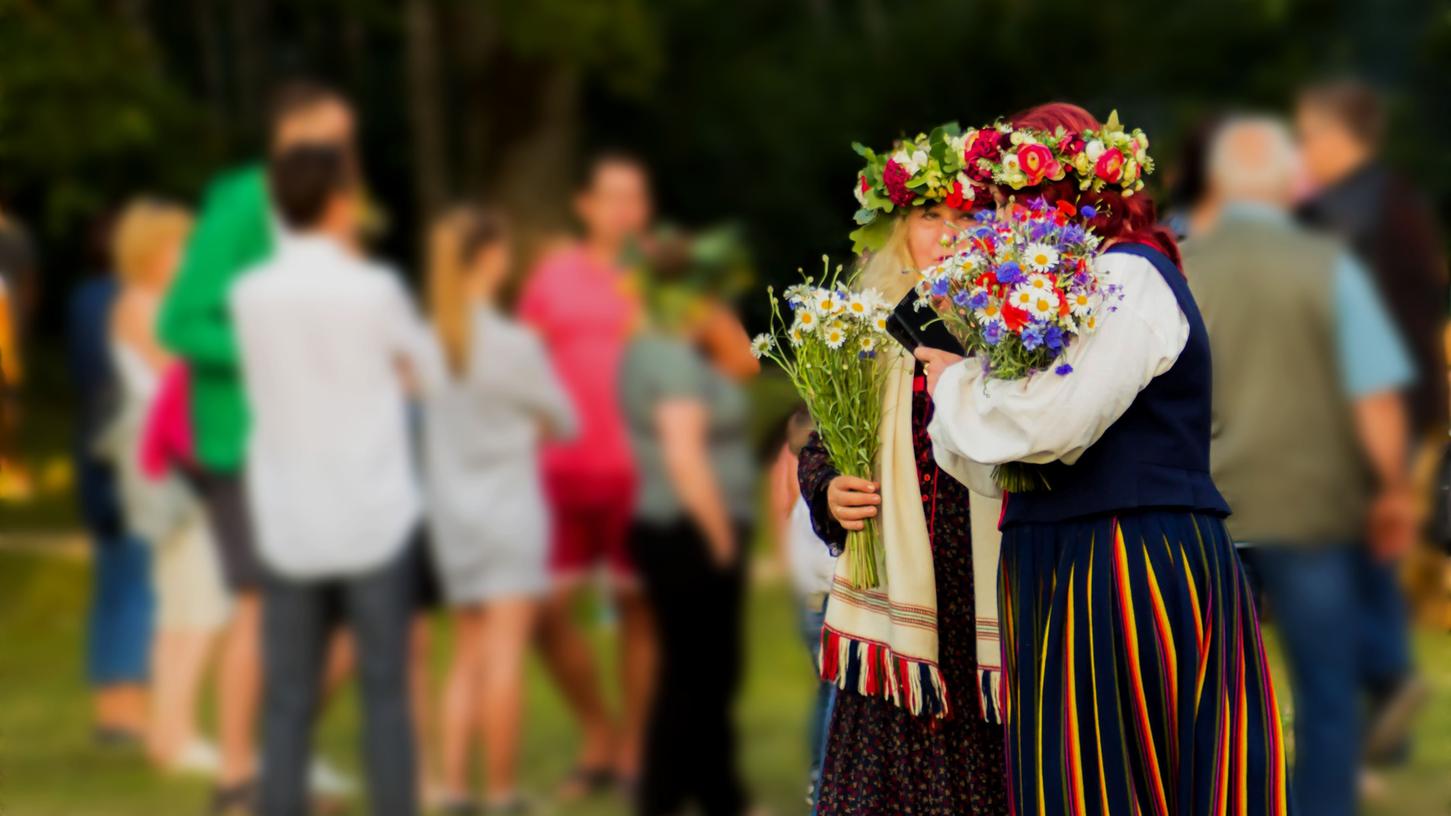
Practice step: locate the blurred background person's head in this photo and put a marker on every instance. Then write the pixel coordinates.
(613, 201)
(469, 254)
(1252, 159)
(308, 112)
(147, 243)
(1340, 126)
(314, 191)
(1186, 181)
(687, 282)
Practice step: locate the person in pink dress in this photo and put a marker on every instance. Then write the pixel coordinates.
(578, 298)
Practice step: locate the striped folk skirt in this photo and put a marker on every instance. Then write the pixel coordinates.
(1136, 679)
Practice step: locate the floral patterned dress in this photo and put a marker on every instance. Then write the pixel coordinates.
(880, 758)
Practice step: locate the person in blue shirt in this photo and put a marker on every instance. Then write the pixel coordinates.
(1310, 441)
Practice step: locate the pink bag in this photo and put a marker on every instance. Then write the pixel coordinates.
(166, 438)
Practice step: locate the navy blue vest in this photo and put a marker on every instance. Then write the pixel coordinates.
(1157, 454)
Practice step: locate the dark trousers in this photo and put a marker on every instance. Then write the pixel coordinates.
(1345, 633)
(690, 750)
(299, 617)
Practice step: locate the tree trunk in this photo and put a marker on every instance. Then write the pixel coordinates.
(426, 108)
(534, 181)
(248, 32)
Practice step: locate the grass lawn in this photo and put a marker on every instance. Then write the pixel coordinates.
(48, 766)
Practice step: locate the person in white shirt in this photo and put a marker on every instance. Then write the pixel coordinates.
(329, 342)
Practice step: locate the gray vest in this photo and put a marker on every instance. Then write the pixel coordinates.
(1284, 449)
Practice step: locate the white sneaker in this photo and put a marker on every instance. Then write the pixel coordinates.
(323, 779)
(199, 757)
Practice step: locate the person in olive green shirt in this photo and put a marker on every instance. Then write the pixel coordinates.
(236, 231)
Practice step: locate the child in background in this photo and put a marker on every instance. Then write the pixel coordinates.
(811, 566)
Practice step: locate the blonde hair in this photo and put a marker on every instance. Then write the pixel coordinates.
(454, 242)
(145, 228)
(890, 269)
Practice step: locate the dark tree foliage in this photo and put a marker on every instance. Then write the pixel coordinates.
(746, 110)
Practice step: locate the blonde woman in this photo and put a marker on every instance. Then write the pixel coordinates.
(907, 733)
(489, 522)
(192, 604)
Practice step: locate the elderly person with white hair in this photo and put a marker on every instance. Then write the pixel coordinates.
(1310, 435)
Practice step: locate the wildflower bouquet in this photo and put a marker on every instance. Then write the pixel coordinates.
(1016, 294)
(829, 351)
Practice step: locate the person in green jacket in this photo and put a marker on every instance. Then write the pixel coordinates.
(236, 231)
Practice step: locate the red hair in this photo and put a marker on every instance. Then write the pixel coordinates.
(1131, 219)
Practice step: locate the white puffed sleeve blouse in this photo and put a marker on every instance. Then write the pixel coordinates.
(981, 422)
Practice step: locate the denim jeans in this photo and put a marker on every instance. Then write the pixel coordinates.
(119, 639)
(813, 617)
(298, 619)
(1345, 631)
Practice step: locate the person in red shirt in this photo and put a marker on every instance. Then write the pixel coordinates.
(579, 300)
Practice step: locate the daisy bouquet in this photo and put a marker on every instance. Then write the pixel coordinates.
(826, 342)
(1018, 291)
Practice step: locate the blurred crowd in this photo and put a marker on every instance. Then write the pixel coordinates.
(289, 468)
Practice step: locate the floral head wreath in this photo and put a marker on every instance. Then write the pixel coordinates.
(1023, 157)
(927, 168)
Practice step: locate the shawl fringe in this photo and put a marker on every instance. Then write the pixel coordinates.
(873, 670)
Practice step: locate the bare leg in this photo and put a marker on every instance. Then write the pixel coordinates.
(567, 654)
(504, 638)
(342, 661)
(179, 662)
(459, 693)
(637, 676)
(420, 691)
(121, 706)
(239, 690)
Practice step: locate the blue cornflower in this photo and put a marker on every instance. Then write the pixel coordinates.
(1032, 336)
(1087, 211)
(1074, 234)
(978, 300)
(992, 333)
(1010, 272)
(1063, 370)
(1038, 203)
(939, 287)
(866, 355)
(1053, 338)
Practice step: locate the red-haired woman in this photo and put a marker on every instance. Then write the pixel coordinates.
(1136, 680)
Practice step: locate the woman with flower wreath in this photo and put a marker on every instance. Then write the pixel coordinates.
(1136, 676)
(907, 733)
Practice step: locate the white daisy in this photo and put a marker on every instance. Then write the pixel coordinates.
(827, 302)
(835, 335)
(859, 306)
(1039, 283)
(868, 343)
(795, 336)
(879, 321)
(1044, 304)
(1022, 296)
(798, 293)
(1080, 303)
(989, 312)
(806, 321)
(1040, 257)
(761, 345)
